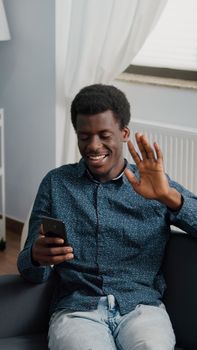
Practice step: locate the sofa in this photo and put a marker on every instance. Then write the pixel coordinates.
(24, 306)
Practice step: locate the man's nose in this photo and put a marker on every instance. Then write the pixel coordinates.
(95, 142)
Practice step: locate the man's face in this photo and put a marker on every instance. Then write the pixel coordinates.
(100, 144)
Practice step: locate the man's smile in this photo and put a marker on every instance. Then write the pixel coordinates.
(96, 159)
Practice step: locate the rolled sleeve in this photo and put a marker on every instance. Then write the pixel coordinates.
(30, 271)
(186, 217)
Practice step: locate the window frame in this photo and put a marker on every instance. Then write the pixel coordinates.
(161, 72)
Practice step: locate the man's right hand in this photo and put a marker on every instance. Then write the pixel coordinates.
(44, 253)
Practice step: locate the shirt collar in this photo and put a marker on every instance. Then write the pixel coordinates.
(83, 171)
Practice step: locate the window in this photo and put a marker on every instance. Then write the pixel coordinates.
(171, 48)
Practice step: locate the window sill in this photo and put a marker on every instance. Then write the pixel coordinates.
(159, 81)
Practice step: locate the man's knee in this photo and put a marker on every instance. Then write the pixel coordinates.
(155, 344)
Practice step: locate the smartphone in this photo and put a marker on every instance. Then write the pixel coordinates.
(54, 228)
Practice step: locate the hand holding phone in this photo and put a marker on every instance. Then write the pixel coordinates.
(54, 228)
(51, 251)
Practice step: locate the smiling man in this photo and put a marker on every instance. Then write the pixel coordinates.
(117, 219)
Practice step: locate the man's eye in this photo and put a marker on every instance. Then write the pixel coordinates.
(105, 136)
(83, 137)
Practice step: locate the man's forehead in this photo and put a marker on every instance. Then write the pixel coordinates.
(106, 117)
(104, 120)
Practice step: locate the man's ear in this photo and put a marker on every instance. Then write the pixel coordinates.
(125, 134)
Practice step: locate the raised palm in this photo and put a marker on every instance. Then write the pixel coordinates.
(152, 183)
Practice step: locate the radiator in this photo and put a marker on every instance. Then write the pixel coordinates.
(179, 147)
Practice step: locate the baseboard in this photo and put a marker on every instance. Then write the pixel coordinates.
(14, 225)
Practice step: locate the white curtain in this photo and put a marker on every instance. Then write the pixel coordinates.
(97, 40)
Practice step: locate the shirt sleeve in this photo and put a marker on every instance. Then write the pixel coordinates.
(186, 217)
(29, 270)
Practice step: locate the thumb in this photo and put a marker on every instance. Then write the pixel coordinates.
(41, 232)
(131, 177)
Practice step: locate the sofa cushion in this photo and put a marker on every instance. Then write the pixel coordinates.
(17, 295)
(180, 271)
(26, 342)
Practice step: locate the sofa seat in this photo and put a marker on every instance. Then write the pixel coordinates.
(30, 342)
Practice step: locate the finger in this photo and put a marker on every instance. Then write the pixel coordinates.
(52, 251)
(54, 260)
(62, 258)
(41, 230)
(139, 140)
(158, 151)
(40, 240)
(146, 150)
(131, 177)
(133, 152)
(53, 255)
(54, 241)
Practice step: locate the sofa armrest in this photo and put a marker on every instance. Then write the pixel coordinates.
(24, 307)
(180, 298)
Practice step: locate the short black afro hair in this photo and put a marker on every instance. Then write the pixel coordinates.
(99, 98)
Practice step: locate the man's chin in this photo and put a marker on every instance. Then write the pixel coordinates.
(99, 173)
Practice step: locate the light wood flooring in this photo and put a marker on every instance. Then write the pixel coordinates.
(8, 256)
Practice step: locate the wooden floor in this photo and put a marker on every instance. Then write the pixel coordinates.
(8, 257)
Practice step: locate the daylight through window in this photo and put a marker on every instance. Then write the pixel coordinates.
(173, 42)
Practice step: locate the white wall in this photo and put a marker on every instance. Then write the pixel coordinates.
(27, 94)
(169, 105)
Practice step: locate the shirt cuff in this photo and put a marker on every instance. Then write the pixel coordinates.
(176, 211)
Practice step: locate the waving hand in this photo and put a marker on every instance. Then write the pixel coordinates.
(153, 183)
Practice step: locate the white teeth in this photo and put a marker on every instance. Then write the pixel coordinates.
(96, 157)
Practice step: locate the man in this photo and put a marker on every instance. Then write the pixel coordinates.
(117, 218)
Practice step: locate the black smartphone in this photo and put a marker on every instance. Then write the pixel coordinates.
(54, 228)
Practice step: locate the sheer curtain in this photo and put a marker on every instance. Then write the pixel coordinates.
(96, 41)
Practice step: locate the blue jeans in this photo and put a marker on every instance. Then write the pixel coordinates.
(145, 328)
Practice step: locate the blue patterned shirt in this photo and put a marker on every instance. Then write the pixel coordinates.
(118, 238)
